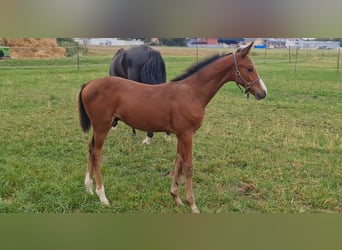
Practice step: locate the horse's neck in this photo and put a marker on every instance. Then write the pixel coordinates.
(210, 79)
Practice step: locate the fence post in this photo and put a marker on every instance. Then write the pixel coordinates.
(289, 54)
(338, 60)
(78, 58)
(296, 59)
(265, 54)
(196, 52)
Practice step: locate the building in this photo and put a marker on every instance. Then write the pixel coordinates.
(280, 43)
(311, 44)
(274, 43)
(108, 41)
(213, 42)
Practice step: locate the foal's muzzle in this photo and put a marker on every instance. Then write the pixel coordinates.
(261, 93)
(259, 97)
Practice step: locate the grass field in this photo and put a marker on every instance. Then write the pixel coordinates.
(278, 155)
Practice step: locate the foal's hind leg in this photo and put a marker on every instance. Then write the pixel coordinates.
(94, 164)
(88, 182)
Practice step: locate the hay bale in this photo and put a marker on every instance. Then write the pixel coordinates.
(35, 48)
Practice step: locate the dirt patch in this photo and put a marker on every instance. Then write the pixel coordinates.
(35, 48)
(247, 188)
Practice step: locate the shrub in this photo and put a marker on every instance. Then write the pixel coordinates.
(72, 47)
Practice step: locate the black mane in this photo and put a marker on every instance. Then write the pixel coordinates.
(195, 68)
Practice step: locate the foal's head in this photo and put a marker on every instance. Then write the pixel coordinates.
(247, 75)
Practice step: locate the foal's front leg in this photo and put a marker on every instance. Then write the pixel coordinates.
(184, 164)
(188, 171)
(175, 180)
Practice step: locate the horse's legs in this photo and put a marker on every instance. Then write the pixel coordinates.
(149, 136)
(185, 141)
(94, 164)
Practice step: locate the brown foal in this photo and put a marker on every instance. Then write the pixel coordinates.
(176, 107)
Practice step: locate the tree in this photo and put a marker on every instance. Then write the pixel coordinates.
(70, 45)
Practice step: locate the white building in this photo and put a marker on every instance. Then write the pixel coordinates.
(108, 41)
(311, 44)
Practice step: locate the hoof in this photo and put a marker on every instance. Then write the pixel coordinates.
(177, 200)
(147, 141)
(105, 203)
(194, 209)
(167, 138)
(90, 190)
(101, 194)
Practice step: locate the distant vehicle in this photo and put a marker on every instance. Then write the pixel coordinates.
(260, 46)
(324, 47)
(4, 52)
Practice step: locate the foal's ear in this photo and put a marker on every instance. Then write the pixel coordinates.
(245, 51)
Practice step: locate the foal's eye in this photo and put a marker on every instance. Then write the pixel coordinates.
(250, 69)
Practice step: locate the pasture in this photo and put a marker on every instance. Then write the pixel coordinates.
(278, 155)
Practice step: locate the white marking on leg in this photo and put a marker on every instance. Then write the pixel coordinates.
(88, 182)
(101, 194)
(167, 138)
(178, 201)
(194, 209)
(147, 141)
(263, 86)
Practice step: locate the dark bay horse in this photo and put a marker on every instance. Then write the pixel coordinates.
(141, 64)
(176, 107)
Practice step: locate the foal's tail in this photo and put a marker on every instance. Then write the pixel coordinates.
(153, 71)
(84, 119)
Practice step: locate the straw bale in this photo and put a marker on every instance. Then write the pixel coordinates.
(35, 48)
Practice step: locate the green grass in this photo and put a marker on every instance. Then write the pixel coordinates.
(278, 155)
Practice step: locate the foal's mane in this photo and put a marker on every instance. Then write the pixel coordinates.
(198, 66)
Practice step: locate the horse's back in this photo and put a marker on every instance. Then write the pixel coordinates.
(101, 96)
(139, 63)
(137, 56)
(112, 85)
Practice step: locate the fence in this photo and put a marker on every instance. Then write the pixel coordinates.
(101, 55)
(296, 55)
